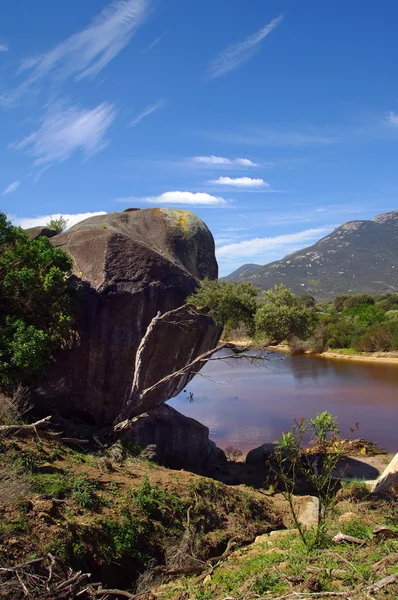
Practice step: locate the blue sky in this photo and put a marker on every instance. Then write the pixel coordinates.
(273, 120)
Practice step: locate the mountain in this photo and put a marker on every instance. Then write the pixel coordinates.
(357, 257)
(243, 270)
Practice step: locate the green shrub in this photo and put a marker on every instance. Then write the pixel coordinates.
(35, 304)
(83, 492)
(231, 304)
(283, 316)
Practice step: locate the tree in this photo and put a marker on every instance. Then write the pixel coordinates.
(57, 223)
(283, 316)
(35, 304)
(231, 304)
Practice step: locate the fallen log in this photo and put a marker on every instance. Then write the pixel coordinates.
(339, 538)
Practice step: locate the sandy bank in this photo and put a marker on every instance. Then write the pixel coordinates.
(379, 357)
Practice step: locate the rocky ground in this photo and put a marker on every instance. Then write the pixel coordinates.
(144, 529)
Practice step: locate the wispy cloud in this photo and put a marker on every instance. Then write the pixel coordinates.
(3, 48)
(218, 161)
(260, 246)
(86, 53)
(155, 42)
(26, 222)
(177, 197)
(392, 118)
(273, 138)
(11, 188)
(237, 54)
(148, 111)
(65, 130)
(243, 182)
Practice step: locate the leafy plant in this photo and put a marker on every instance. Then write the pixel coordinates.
(283, 316)
(35, 304)
(294, 460)
(231, 304)
(84, 493)
(58, 224)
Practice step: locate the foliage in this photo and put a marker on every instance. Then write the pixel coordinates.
(84, 493)
(294, 460)
(57, 224)
(35, 304)
(283, 316)
(230, 303)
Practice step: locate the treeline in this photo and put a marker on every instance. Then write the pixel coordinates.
(360, 322)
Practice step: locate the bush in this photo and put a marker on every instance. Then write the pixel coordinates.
(57, 224)
(35, 304)
(231, 304)
(283, 316)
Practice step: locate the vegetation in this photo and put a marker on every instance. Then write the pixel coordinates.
(357, 323)
(35, 304)
(318, 469)
(57, 224)
(230, 304)
(283, 316)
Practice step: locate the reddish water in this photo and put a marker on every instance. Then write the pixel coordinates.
(252, 405)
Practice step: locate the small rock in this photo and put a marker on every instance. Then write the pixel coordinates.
(281, 533)
(308, 514)
(150, 453)
(207, 579)
(348, 516)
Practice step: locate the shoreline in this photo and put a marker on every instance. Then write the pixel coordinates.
(390, 358)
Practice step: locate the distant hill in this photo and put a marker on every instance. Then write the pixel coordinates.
(244, 269)
(359, 256)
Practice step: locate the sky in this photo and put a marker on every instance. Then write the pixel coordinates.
(273, 120)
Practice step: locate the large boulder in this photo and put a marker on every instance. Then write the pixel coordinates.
(174, 440)
(128, 268)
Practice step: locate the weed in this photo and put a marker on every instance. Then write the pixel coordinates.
(356, 529)
(56, 485)
(292, 459)
(83, 492)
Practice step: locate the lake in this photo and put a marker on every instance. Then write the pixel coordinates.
(246, 405)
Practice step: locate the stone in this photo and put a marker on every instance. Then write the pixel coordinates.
(129, 267)
(388, 480)
(308, 511)
(281, 533)
(40, 231)
(259, 455)
(172, 439)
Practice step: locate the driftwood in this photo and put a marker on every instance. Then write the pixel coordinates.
(382, 583)
(37, 430)
(384, 562)
(342, 537)
(138, 395)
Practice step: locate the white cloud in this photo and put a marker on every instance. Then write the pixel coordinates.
(148, 111)
(222, 161)
(392, 118)
(3, 48)
(259, 246)
(155, 42)
(235, 55)
(177, 197)
(240, 182)
(11, 188)
(86, 53)
(65, 130)
(26, 222)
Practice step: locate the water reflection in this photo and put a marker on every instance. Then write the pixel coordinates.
(252, 405)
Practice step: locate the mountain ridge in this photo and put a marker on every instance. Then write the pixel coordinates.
(359, 256)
